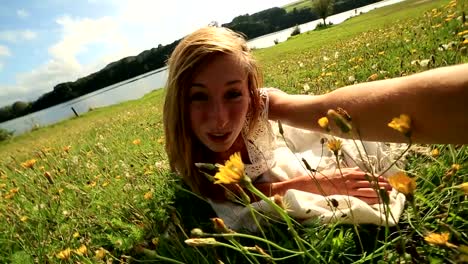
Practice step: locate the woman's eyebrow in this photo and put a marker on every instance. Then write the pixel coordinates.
(200, 85)
(233, 82)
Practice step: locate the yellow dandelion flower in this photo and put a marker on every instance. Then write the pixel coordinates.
(92, 184)
(381, 53)
(232, 171)
(148, 195)
(76, 235)
(341, 119)
(29, 164)
(455, 167)
(464, 187)
(219, 225)
(438, 239)
(402, 183)
(334, 145)
(323, 123)
(67, 148)
(435, 153)
(24, 218)
(100, 253)
(64, 254)
(136, 141)
(104, 184)
(465, 42)
(373, 77)
(82, 250)
(402, 124)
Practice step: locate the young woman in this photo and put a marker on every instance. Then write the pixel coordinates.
(215, 106)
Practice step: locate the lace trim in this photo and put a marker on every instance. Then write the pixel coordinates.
(260, 142)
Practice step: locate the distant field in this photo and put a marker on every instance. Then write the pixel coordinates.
(298, 5)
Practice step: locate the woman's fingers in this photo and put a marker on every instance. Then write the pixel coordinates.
(366, 184)
(365, 192)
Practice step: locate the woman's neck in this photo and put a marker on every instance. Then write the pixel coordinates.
(238, 146)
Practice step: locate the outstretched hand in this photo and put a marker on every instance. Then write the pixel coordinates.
(350, 181)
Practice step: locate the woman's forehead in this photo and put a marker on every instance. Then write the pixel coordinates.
(221, 66)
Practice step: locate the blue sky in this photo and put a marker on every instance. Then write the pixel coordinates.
(46, 42)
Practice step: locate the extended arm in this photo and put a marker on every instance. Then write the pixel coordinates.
(436, 101)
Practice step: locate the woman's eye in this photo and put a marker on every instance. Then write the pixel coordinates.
(198, 97)
(233, 94)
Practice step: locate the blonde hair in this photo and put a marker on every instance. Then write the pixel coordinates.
(192, 53)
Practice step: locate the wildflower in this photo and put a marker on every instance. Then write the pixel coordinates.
(82, 250)
(100, 253)
(340, 120)
(29, 164)
(281, 202)
(201, 241)
(64, 254)
(373, 77)
(402, 183)
(161, 140)
(465, 42)
(148, 195)
(219, 225)
(136, 141)
(196, 232)
(351, 78)
(464, 187)
(67, 148)
(323, 123)
(424, 63)
(232, 171)
(92, 184)
(76, 235)
(24, 218)
(438, 239)
(334, 145)
(48, 176)
(306, 87)
(381, 53)
(402, 124)
(455, 167)
(435, 153)
(452, 171)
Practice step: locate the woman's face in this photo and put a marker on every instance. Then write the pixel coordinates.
(219, 101)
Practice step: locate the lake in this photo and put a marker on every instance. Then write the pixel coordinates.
(137, 87)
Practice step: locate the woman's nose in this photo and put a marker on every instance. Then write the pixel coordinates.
(219, 114)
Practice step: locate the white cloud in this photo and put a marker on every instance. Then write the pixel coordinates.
(22, 13)
(17, 35)
(4, 51)
(77, 36)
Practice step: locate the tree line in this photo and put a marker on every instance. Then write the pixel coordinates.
(252, 26)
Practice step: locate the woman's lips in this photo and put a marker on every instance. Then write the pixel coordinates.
(219, 137)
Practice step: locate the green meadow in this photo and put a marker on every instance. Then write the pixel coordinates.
(97, 188)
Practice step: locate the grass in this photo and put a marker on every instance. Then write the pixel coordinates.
(102, 180)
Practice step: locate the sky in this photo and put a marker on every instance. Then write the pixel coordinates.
(47, 42)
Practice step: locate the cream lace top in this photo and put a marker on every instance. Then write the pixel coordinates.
(260, 142)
